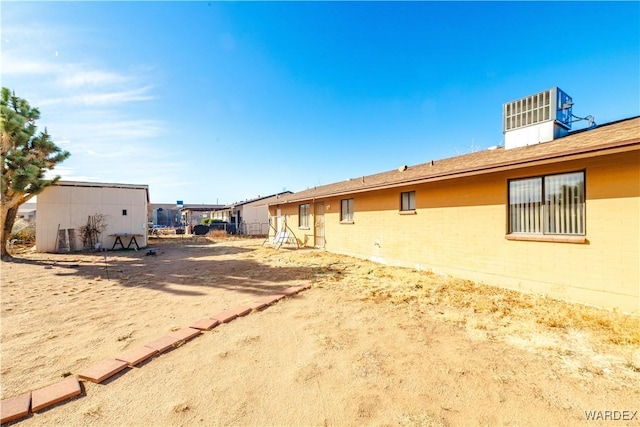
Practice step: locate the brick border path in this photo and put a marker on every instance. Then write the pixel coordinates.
(23, 405)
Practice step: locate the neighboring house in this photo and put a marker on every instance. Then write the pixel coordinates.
(27, 212)
(560, 218)
(193, 215)
(254, 214)
(250, 217)
(165, 214)
(65, 207)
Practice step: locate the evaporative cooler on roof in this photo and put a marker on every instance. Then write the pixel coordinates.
(536, 118)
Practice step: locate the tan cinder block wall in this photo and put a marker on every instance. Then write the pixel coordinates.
(460, 225)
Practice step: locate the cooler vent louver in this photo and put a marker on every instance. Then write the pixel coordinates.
(536, 118)
(527, 111)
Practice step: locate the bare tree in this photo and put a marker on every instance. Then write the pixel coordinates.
(91, 231)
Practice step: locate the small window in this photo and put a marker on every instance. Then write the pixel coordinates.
(124, 212)
(346, 210)
(552, 204)
(303, 215)
(408, 201)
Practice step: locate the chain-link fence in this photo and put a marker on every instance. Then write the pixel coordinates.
(254, 228)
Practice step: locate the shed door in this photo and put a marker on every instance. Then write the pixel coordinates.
(319, 224)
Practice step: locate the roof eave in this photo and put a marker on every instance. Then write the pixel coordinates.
(616, 147)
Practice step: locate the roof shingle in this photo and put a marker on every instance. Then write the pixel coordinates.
(615, 135)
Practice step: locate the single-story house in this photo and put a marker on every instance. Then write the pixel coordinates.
(560, 218)
(67, 206)
(27, 212)
(250, 217)
(193, 215)
(165, 214)
(254, 214)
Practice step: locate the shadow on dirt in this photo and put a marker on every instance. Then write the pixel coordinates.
(181, 268)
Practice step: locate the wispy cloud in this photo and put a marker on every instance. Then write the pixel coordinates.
(92, 107)
(12, 65)
(113, 129)
(75, 84)
(67, 174)
(82, 78)
(111, 98)
(100, 99)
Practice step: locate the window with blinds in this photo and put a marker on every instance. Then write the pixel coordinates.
(552, 204)
(303, 215)
(346, 210)
(408, 201)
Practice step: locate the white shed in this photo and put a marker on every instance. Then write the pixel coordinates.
(64, 208)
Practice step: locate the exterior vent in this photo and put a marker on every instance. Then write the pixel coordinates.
(536, 118)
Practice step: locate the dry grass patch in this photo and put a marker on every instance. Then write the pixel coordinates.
(368, 281)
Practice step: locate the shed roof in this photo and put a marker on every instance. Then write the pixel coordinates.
(622, 135)
(201, 208)
(263, 199)
(104, 185)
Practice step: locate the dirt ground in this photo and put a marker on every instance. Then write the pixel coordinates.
(366, 345)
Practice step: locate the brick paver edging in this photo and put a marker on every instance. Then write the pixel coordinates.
(23, 405)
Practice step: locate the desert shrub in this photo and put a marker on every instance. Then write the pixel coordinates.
(23, 231)
(218, 234)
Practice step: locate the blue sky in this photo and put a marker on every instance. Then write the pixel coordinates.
(216, 102)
